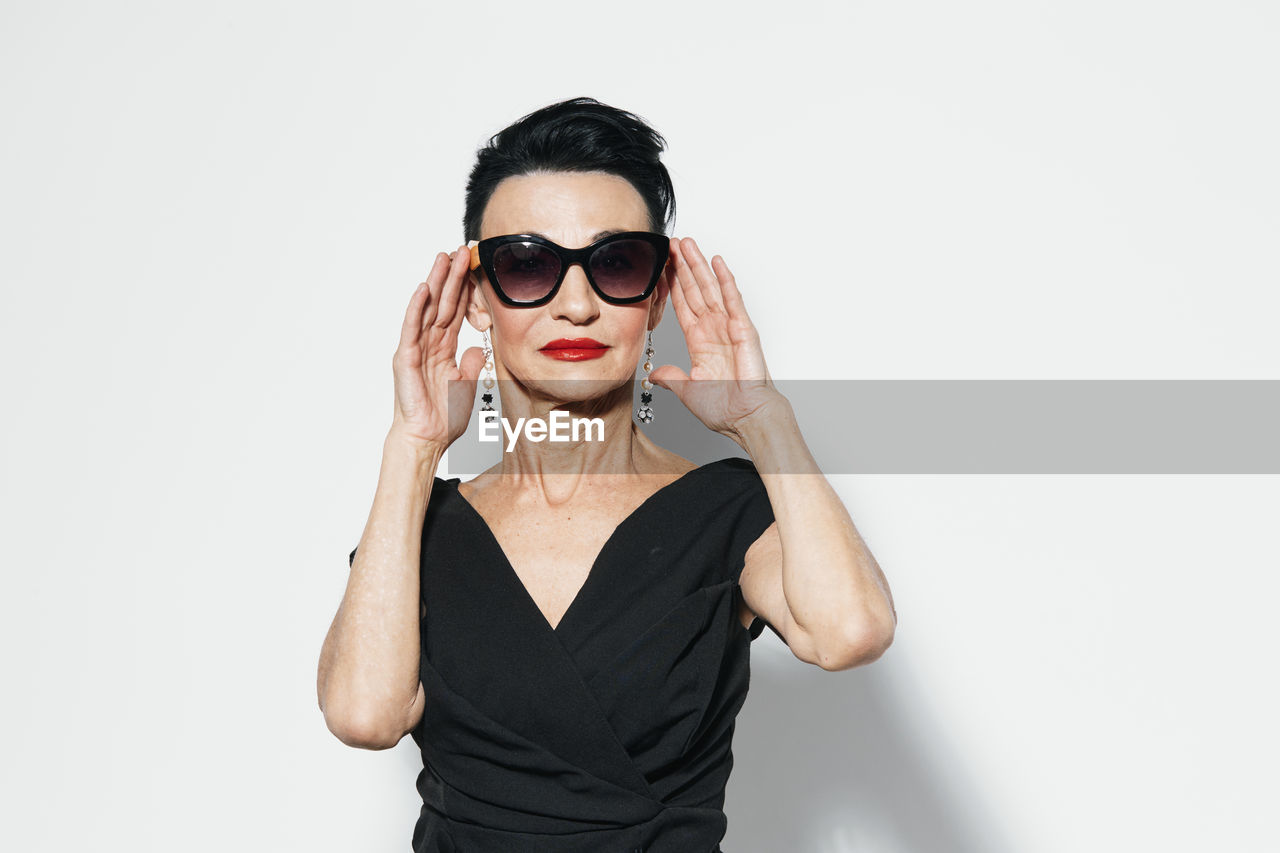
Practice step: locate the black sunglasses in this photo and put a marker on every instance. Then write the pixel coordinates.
(526, 270)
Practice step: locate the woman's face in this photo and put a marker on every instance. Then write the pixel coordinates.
(571, 209)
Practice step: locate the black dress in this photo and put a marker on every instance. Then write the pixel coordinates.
(611, 732)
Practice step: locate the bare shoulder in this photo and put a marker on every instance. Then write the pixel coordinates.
(480, 483)
(659, 460)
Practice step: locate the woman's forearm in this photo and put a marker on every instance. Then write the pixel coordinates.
(833, 586)
(368, 682)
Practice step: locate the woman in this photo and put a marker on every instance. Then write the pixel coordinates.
(566, 636)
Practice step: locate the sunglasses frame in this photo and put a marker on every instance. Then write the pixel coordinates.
(482, 257)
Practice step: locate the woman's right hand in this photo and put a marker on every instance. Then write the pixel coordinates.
(432, 407)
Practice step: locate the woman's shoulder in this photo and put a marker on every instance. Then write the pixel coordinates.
(735, 468)
(714, 485)
(678, 466)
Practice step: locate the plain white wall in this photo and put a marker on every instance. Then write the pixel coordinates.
(213, 214)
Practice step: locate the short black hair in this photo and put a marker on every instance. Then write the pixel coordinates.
(577, 135)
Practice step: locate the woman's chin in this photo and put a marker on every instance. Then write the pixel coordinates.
(572, 390)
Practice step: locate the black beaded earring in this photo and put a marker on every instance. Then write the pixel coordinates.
(644, 414)
(487, 396)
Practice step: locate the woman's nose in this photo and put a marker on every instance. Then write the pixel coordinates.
(575, 301)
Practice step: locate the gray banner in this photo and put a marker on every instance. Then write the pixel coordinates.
(990, 427)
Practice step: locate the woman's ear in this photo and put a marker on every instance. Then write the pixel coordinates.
(660, 294)
(478, 305)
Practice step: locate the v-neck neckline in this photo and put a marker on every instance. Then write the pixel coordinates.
(593, 572)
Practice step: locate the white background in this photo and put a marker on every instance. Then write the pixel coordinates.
(213, 214)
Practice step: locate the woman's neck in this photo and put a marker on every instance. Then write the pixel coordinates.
(590, 437)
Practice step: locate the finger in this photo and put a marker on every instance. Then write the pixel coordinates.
(671, 377)
(453, 287)
(742, 332)
(689, 285)
(413, 314)
(464, 299)
(684, 314)
(462, 391)
(703, 274)
(471, 363)
(436, 286)
(733, 303)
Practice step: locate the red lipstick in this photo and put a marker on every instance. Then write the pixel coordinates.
(574, 349)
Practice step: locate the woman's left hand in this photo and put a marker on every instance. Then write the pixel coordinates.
(728, 384)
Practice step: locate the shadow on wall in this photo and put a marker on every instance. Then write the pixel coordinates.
(823, 763)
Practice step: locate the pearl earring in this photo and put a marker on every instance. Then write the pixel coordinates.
(487, 396)
(644, 414)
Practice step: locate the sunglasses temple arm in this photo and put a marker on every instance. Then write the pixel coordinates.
(475, 255)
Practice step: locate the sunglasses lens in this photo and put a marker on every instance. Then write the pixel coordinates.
(623, 269)
(526, 272)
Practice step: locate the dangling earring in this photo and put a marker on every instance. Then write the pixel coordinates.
(644, 414)
(487, 396)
